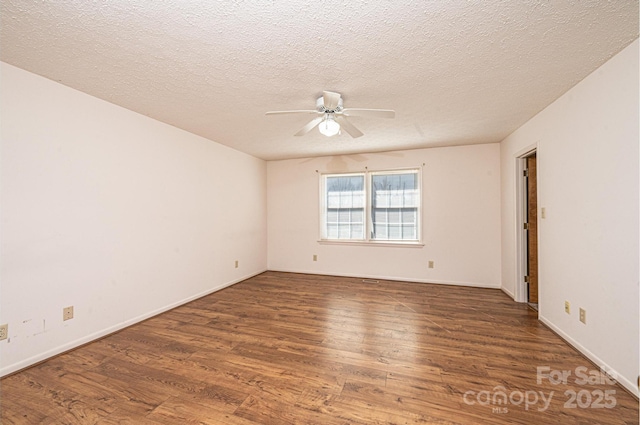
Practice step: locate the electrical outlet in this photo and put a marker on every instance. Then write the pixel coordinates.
(67, 313)
(583, 316)
(4, 332)
(430, 264)
(315, 257)
(237, 262)
(567, 307)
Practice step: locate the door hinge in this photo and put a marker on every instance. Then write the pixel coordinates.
(526, 279)
(526, 226)
(525, 173)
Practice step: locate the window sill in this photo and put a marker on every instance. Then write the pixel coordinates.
(371, 243)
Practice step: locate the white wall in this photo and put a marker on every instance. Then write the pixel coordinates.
(114, 213)
(461, 218)
(588, 182)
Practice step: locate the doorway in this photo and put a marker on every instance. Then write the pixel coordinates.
(531, 228)
(527, 243)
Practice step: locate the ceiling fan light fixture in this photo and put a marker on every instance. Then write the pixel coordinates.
(331, 117)
(329, 127)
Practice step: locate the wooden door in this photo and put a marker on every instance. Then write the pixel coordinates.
(532, 229)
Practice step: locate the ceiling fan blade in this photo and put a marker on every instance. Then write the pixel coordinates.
(310, 126)
(374, 113)
(299, 111)
(331, 100)
(348, 127)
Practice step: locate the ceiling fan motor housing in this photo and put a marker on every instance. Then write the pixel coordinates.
(320, 106)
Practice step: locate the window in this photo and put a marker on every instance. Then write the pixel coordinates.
(345, 205)
(371, 206)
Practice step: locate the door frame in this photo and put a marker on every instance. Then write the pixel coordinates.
(522, 247)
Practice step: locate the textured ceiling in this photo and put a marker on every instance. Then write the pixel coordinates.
(456, 72)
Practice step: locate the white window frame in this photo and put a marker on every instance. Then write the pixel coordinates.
(323, 205)
(368, 222)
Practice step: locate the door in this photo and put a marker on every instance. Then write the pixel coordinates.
(532, 230)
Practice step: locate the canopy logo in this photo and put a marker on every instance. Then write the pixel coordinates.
(499, 398)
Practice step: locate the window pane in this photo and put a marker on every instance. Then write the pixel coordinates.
(409, 215)
(394, 232)
(394, 205)
(344, 215)
(380, 216)
(344, 207)
(332, 231)
(409, 231)
(357, 231)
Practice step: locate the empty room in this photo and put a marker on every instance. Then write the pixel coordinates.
(259, 212)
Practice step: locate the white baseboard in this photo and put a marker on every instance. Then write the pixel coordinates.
(626, 383)
(400, 279)
(509, 293)
(12, 368)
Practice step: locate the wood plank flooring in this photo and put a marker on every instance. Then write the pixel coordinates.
(298, 349)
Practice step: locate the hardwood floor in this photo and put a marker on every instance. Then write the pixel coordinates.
(297, 349)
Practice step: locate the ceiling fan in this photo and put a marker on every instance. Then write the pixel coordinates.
(332, 116)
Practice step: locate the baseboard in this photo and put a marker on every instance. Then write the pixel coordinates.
(16, 367)
(627, 384)
(509, 293)
(396, 278)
